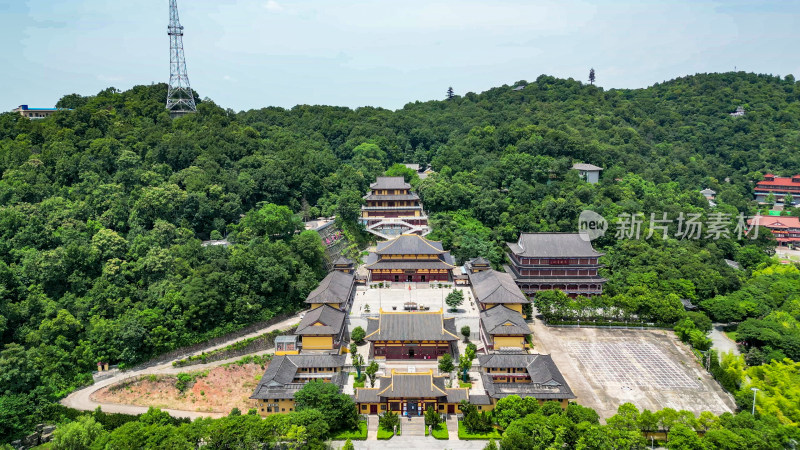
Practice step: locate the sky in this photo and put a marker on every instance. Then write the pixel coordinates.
(246, 54)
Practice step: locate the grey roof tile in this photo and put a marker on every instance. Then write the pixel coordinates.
(331, 318)
(494, 321)
(277, 379)
(552, 245)
(547, 382)
(336, 287)
(493, 287)
(412, 326)
(390, 183)
(409, 244)
(588, 167)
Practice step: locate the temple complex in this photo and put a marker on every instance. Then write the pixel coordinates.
(391, 209)
(564, 261)
(410, 258)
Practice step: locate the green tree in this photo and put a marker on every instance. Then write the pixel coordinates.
(432, 418)
(446, 363)
(339, 409)
(357, 359)
(464, 364)
(77, 435)
(683, 437)
(465, 331)
(348, 445)
(454, 299)
(358, 334)
(371, 371)
(389, 420)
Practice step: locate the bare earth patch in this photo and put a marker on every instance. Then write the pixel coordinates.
(223, 389)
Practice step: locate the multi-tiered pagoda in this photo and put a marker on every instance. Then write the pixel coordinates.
(391, 209)
(564, 261)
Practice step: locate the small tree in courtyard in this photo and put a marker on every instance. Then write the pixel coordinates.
(446, 363)
(454, 299)
(358, 334)
(465, 331)
(371, 371)
(389, 420)
(357, 359)
(432, 418)
(464, 363)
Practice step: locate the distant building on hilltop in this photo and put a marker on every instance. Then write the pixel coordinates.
(786, 229)
(710, 195)
(738, 113)
(778, 186)
(588, 172)
(391, 209)
(35, 113)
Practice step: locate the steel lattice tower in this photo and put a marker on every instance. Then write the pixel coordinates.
(180, 100)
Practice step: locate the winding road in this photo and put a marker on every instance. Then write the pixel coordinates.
(81, 398)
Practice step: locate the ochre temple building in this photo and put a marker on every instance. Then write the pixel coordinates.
(411, 335)
(410, 258)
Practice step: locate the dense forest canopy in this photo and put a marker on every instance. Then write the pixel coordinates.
(103, 208)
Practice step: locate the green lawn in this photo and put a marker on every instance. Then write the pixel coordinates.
(358, 382)
(384, 434)
(440, 432)
(353, 435)
(463, 434)
(464, 384)
(732, 335)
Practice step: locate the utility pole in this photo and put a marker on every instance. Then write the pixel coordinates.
(754, 400)
(180, 100)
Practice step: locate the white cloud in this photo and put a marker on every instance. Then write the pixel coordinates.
(272, 5)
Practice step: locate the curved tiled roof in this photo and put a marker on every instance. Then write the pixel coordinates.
(282, 370)
(546, 380)
(411, 326)
(552, 245)
(410, 244)
(334, 288)
(332, 321)
(493, 287)
(495, 322)
(390, 183)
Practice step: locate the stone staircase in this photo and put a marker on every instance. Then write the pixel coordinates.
(414, 426)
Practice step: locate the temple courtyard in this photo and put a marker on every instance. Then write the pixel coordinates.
(650, 368)
(395, 297)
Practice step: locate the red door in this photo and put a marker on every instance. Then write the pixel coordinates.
(451, 409)
(373, 409)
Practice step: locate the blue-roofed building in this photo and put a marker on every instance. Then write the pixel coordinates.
(35, 113)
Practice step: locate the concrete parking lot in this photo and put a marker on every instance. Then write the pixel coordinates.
(650, 368)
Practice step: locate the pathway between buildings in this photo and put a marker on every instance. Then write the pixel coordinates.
(721, 342)
(81, 400)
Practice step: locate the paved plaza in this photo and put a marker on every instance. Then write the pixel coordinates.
(395, 297)
(650, 368)
(392, 299)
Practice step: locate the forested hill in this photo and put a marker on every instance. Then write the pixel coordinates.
(103, 208)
